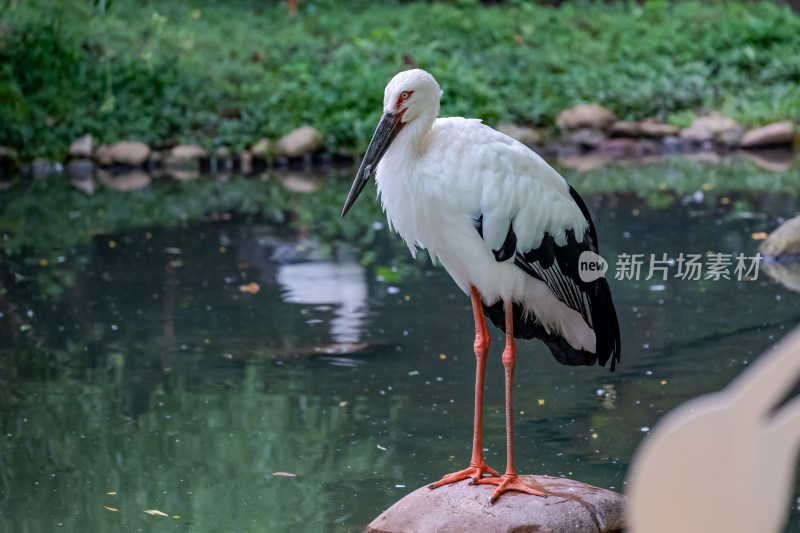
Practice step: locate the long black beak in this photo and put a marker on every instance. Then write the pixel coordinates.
(385, 133)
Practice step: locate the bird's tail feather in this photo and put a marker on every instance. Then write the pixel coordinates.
(604, 318)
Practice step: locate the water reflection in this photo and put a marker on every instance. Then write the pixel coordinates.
(322, 284)
(146, 372)
(786, 272)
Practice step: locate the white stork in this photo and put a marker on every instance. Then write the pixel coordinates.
(505, 225)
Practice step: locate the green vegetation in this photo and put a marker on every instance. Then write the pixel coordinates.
(233, 72)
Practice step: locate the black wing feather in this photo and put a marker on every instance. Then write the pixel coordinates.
(558, 267)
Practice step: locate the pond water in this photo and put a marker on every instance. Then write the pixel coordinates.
(189, 367)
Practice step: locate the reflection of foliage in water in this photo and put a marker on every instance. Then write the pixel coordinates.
(685, 175)
(154, 412)
(43, 220)
(179, 450)
(46, 218)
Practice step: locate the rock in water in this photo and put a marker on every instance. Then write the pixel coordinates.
(82, 146)
(779, 133)
(571, 506)
(783, 241)
(299, 142)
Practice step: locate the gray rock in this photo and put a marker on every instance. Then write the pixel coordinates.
(627, 147)
(41, 168)
(586, 116)
(571, 507)
(527, 136)
(785, 240)
(588, 138)
(80, 168)
(82, 146)
(778, 133)
(124, 152)
(299, 142)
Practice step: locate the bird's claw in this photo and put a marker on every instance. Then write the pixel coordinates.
(507, 483)
(474, 472)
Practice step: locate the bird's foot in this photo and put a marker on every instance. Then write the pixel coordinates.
(508, 482)
(474, 471)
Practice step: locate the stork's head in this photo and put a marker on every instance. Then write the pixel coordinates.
(411, 95)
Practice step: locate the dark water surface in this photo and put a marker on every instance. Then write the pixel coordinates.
(151, 381)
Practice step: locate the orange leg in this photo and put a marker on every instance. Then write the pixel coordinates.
(509, 481)
(477, 466)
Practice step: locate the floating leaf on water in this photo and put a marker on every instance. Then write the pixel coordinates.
(758, 236)
(243, 265)
(155, 512)
(541, 401)
(442, 356)
(343, 403)
(381, 448)
(251, 288)
(111, 508)
(413, 373)
(284, 474)
(111, 493)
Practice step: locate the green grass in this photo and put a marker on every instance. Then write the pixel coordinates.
(230, 73)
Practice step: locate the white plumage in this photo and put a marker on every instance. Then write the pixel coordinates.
(505, 225)
(438, 173)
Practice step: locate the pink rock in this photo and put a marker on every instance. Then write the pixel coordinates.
(299, 142)
(570, 506)
(772, 134)
(713, 127)
(586, 116)
(651, 128)
(82, 146)
(124, 152)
